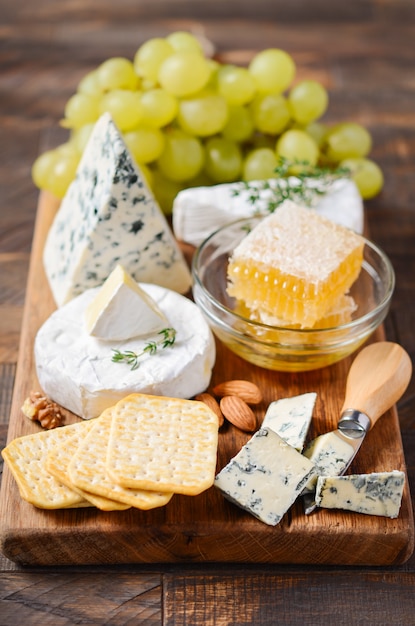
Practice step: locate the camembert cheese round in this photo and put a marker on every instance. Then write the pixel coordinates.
(76, 370)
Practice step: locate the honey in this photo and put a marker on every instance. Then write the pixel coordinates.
(340, 314)
(295, 265)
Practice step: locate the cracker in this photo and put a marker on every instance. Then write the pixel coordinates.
(26, 459)
(87, 470)
(163, 443)
(57, 463)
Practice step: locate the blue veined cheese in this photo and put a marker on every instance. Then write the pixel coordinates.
(108, 217)
(379, 493)
(76, 369)
(198, 211)
(265, 477)
(290, 418)
(330, 455)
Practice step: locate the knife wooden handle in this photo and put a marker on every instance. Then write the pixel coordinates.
(377, 379)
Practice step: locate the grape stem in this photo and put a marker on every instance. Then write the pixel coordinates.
(305, 186)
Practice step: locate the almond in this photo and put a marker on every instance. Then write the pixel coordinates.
(244, 389)
(211, 402)
(238, 413)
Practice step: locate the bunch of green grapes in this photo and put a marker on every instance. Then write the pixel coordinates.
(189, 120)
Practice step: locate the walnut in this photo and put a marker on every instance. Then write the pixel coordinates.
(40, 408)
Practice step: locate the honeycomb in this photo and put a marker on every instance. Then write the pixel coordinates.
(295, 265)
(340, 314)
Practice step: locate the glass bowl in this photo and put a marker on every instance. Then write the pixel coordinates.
(282, 348)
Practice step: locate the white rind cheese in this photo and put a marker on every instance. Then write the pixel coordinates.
(290, 418)
(379, 493)
(77, 372)
(122, 310)
(109, 216)
(199, 211)
(265, 477)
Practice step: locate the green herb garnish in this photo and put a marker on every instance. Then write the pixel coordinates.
(132, 358)
(292, 182)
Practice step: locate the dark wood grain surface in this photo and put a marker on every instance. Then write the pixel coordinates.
(364, 52)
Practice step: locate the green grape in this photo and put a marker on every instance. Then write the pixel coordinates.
(150, 56)
(182, 40)
(80, 136)
(260, 164)
(42, 168)
(124, 106)
(223, 160)
(80, 109)
(317, 131)
(159, 108)
(273, 70)
(270, 113)
(214, 68)
(117, 73)
(366, 174)
(145, 144)
(239, 126)
(90, 84)
(235, 84)
(68, 149)
(63, 172)
(297, 145)
(184, 73)
(308, 101)
(183, 156)
(347, 139)
(147, 174)
(204, 114)
(165, 190)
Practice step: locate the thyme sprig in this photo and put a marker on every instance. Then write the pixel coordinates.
(294, 180)
(168, 337)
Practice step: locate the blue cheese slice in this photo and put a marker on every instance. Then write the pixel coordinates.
(122, 310)
(265, 477)
(198, 211)
(77, 371)
(290, 418)
(109, 216)
(379, 493)
(330, 455)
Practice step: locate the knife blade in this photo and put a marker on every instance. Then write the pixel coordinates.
(377, 378)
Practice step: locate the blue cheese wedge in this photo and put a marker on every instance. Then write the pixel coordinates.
(379, 493)
(108, 217)
(290, 418)
(198, 211)
(122, 310)
(76, 370)
(265, 477)
(330, 455)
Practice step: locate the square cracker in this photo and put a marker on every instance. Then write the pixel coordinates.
(163, 443)
(57, 464)
(87, 470)
(26, 459)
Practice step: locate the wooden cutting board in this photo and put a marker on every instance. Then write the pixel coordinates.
(205, 528)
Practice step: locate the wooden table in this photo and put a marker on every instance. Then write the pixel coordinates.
(363, 51)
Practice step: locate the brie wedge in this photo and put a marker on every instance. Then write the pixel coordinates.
(198, 211)
(122, 310)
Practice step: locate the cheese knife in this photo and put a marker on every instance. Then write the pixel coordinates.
(377, 378)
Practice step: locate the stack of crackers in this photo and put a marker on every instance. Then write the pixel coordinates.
(137, 453)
